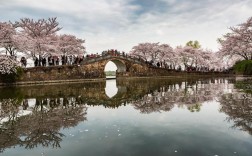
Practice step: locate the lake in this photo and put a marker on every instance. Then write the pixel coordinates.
(129, 117)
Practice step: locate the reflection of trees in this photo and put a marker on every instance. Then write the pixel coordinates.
(194, 108)
(244, 85)
(62, 106)
(189, 93)
(238, 107)
(42, 124)
(150, 94)
(9, 108)
(176, 91)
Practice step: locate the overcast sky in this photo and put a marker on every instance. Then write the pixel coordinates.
(122, 24)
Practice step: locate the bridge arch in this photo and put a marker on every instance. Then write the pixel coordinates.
(125, 66)
(121, 67)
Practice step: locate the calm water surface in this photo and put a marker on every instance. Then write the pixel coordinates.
(171, 117)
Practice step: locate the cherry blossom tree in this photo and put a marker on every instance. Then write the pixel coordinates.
(187, 54)
(198, 58)
(193, 56)
(9, 38)
(40, 35)
(165, 52)
(154, 52)
(192, 53)
(147, 51)
(166, 55)
(206, 59)
(238, 43)
(70, 45)
(7, 65)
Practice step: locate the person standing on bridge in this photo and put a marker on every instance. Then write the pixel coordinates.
(36, 62)
(44, 62)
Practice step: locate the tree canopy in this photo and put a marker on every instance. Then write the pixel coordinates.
(194, 44)
(238, 43)
(35, 38)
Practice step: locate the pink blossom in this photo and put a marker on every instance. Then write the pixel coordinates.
(7, 64)
(238, 43)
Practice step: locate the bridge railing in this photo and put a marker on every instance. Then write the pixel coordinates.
(89, 60)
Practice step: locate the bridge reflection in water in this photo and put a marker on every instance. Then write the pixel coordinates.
(33, 116)
(111, 88)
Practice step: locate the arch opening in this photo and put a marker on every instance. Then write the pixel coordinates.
(113, 67)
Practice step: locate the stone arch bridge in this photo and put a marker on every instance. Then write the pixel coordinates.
(126, 65)
(93, 67)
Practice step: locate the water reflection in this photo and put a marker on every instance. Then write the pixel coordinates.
(238, 106)
(190, 94)
(32, 116)
(28, 124)
(111, 88)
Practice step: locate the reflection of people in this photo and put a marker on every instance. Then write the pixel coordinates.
(52, 103)
(65, 101)
(44, 102)
(37, 102)
(25, 104)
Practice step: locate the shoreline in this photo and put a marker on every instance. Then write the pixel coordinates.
(51, 82)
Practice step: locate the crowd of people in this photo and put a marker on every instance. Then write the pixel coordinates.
(56, 60)
(75, 60)
(53, 60)
(112, 52)
(68, 59)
